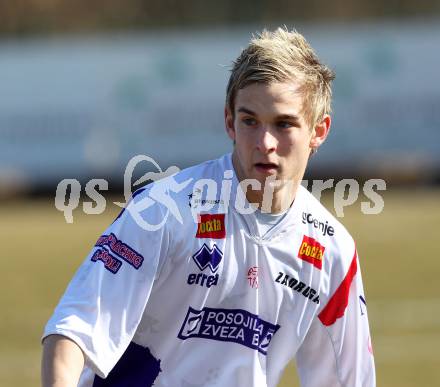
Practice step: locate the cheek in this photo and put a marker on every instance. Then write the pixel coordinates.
(242, 136)
(287, 146)
(243, 146)
(294, 146)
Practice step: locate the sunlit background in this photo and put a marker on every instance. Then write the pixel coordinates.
(87, 85)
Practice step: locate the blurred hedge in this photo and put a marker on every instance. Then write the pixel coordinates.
(25, 17)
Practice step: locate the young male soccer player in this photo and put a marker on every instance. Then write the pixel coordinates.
(229, 296)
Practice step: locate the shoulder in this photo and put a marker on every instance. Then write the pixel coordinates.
(176, 197)
(212, 169)
(184, 180)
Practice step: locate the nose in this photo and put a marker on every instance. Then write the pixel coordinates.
(267, 142)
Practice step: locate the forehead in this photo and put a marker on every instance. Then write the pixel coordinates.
(275, 98)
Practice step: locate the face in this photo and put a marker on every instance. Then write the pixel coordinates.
(272, 137)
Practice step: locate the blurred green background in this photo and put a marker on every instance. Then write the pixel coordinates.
(398, 251)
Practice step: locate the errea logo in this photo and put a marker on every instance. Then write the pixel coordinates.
(204, 258)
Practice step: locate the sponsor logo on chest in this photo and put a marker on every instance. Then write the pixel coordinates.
(311, 251)
(208, 261)
(324, 227)
(211, 226)
(230, 325)
(297, 285)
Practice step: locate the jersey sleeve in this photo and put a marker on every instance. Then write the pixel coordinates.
(337, 349)
(105, 300)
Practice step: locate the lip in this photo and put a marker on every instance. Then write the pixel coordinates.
(266, 167)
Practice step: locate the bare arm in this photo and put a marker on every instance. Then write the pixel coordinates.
(62, 362)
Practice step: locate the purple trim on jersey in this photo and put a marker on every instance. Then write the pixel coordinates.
(136, 368)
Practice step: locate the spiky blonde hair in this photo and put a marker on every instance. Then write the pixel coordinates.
(280, 56)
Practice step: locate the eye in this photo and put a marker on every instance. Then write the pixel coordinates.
(284, 124)
(249, 121)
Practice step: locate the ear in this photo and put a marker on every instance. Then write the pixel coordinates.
(229, 123)
(320, 132)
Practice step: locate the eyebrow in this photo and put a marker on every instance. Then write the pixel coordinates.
(246, 111)
(280, 117)
(288, 117)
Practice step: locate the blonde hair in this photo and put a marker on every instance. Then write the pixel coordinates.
(280, 56)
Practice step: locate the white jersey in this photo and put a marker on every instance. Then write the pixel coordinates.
(204, 300)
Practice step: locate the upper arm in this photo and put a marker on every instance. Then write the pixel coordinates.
(62, 362)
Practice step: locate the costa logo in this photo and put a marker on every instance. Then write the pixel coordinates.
(311, 251)
(211, 226)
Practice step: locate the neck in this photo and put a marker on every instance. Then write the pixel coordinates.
(273, 199)
(275, 196)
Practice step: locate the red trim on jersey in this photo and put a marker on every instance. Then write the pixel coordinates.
(337, 304)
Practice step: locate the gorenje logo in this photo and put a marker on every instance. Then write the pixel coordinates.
(323, 227)
(233, 325)
(206, 257)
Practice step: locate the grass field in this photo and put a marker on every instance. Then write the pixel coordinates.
(399, 257)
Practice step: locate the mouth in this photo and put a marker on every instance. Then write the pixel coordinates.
(266, 167)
